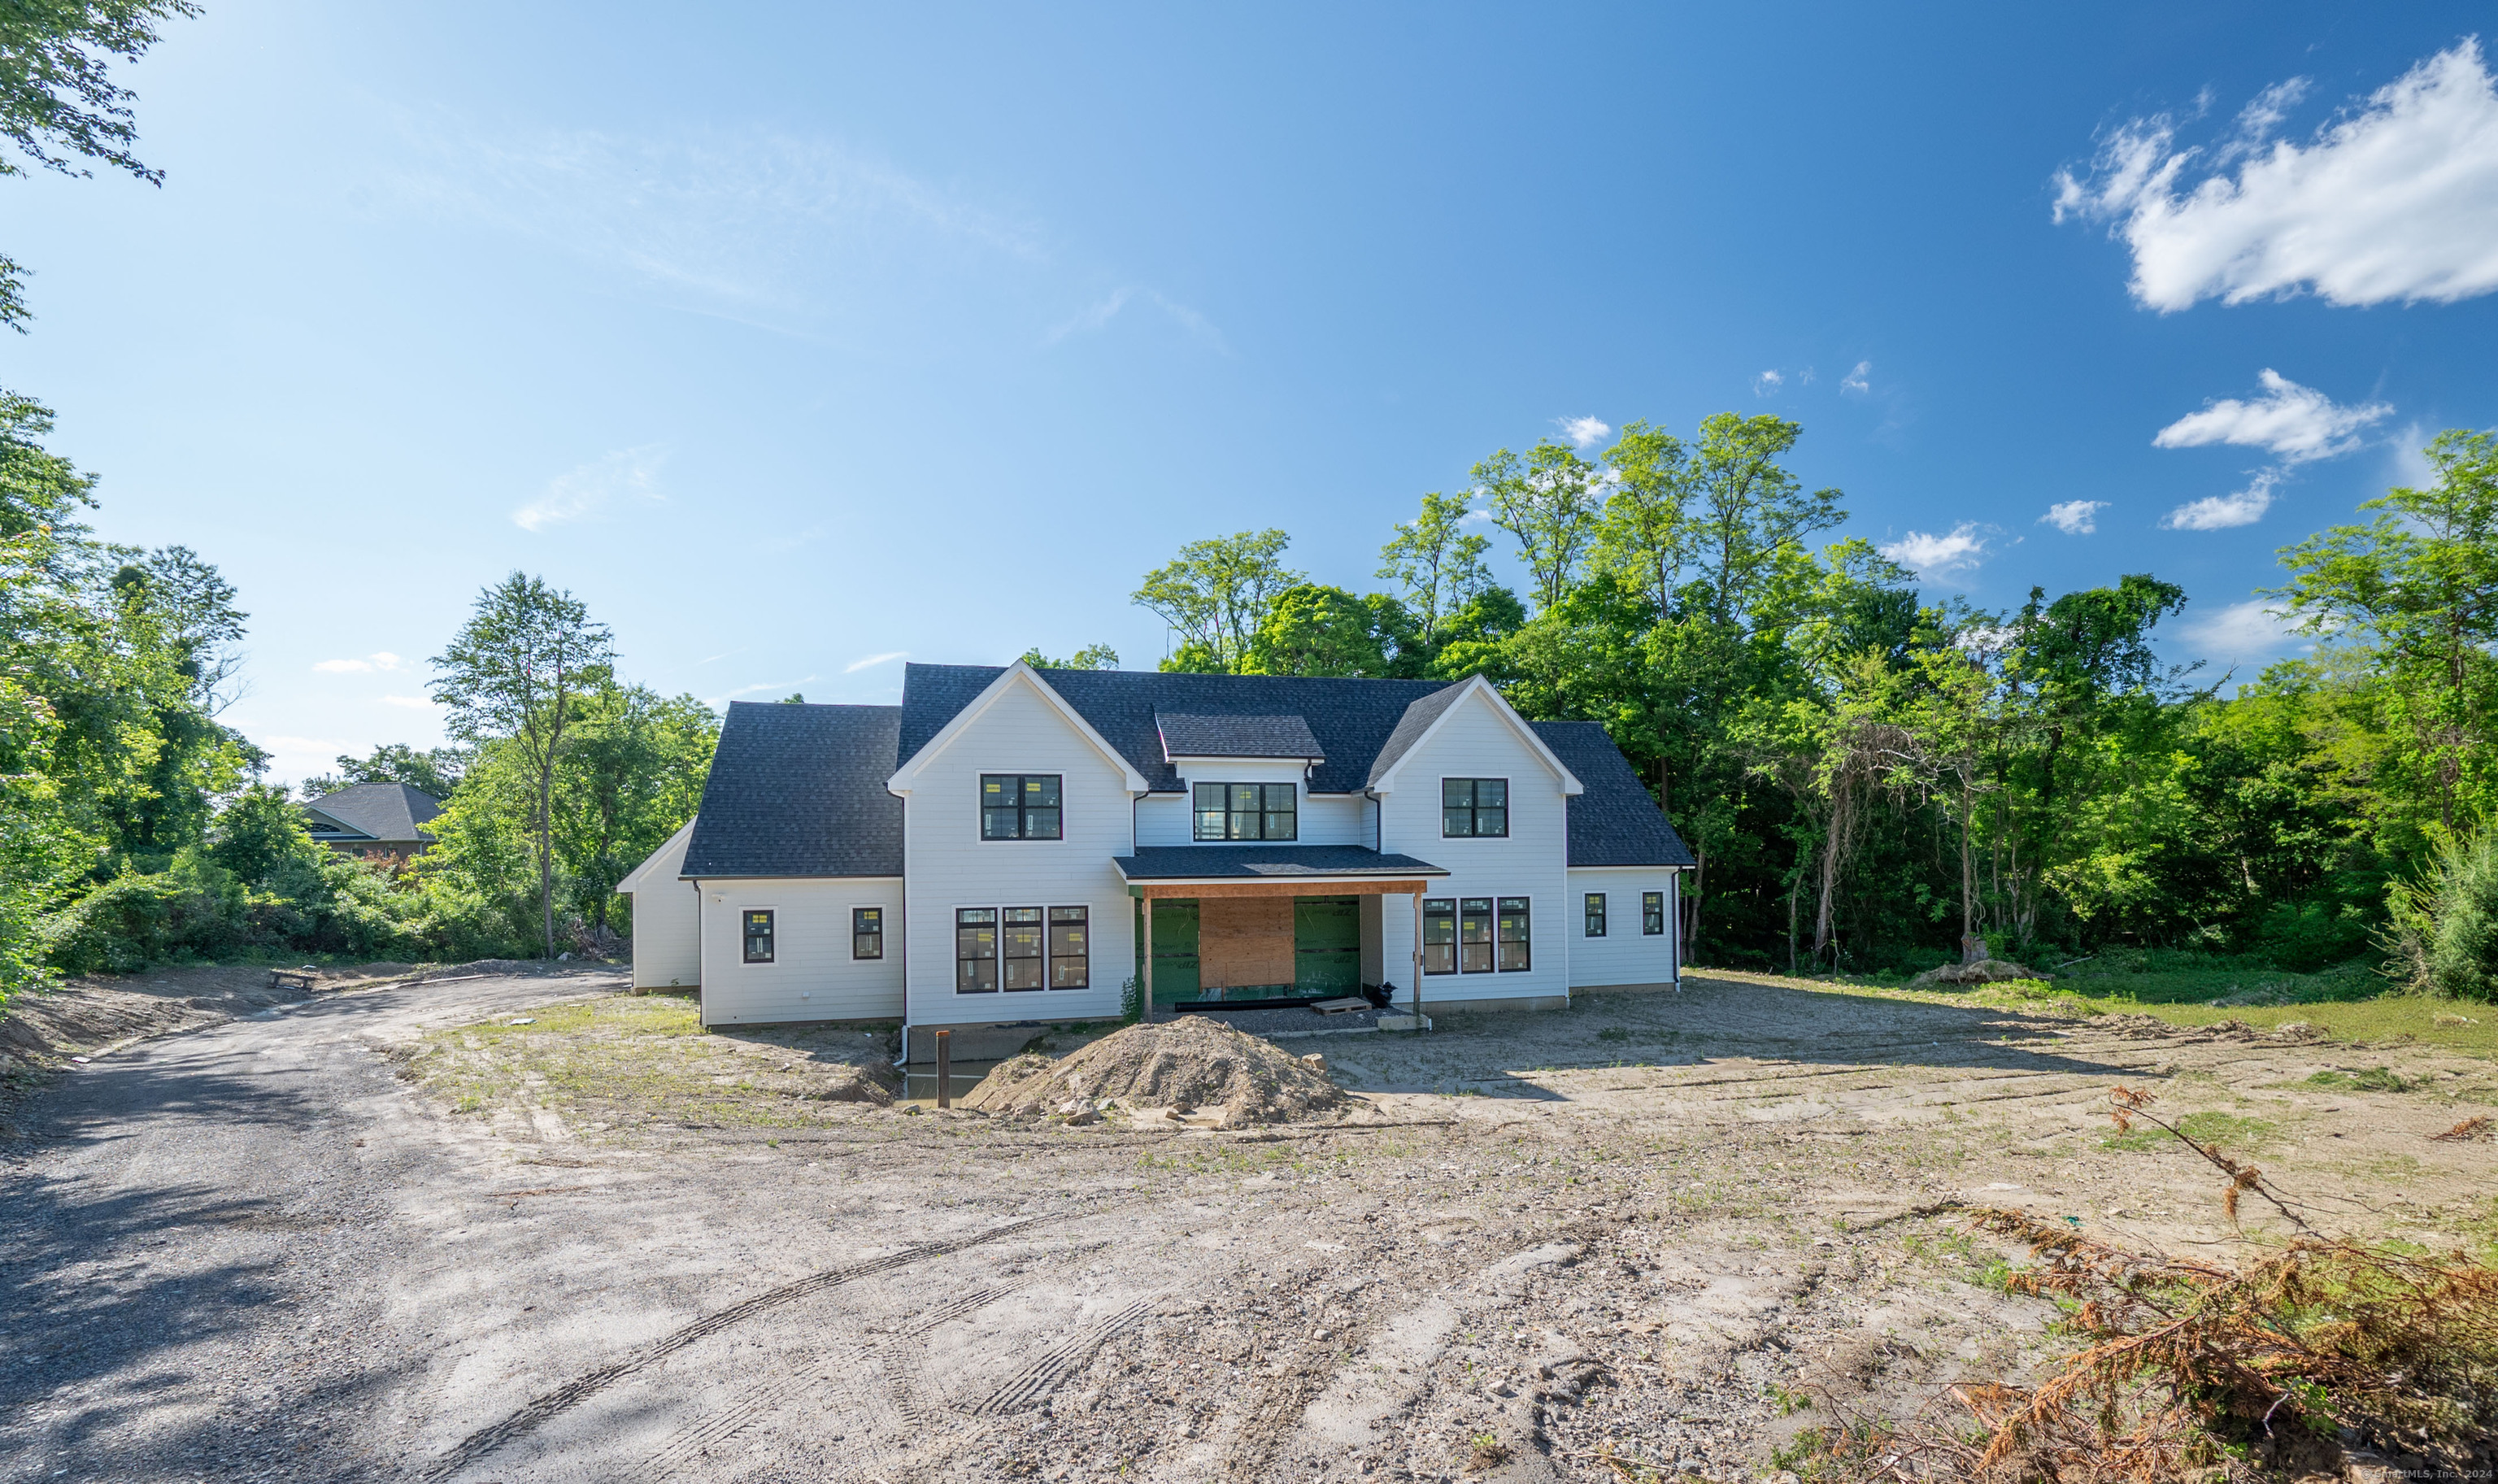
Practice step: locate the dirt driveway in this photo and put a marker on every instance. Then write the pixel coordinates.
(1651, 1225)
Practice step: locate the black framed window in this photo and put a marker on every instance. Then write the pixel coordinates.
(1474, 808)
(1439, 935)
(1474, 934)
(1022, 957)
(1019, 806)
(1514, 946)
(1246, 811)
(976, 950)
(867, 932)
(758, 933)
(1652, 913)
(1070, 964)
(1595, 914)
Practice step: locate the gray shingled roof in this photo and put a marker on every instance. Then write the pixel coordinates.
(376, 811)
(1195, 862)
(799, 791)
(1236, 737)
(1614, 821)
(1417, 720)
(1349, 718)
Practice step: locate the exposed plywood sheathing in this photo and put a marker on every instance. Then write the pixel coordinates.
(1244, 940)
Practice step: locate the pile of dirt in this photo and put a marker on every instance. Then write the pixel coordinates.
(1188, 1065)
(1986, 971)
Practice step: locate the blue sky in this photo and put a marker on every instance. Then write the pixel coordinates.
(796, 339)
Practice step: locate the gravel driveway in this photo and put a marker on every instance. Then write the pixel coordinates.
(1643, 1225)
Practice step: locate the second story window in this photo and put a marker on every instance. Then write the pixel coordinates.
(1474, 808)
(1019, 806)
(1246, 811)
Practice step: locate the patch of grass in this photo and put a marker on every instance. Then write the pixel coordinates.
(2209, 1127)
(628, 1059)
(2373, 1080)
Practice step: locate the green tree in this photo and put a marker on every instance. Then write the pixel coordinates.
(1749, 507)
(434, 770)
(1216, 593)
(1645, 533)
(1437, 564)
(516, 673)
(1549, 501)
(2419, 583)
(1092, 657)
(632, 775)
(58, 102)
(1314, 629)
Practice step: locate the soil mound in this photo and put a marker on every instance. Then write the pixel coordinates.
(1188, 1065)
(1986, 971)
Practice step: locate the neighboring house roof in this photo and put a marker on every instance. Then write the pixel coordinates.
(1185, 735)
(389, 813)
(1199, 862)
(1614, 821)
(799, 791)
(1348, 719)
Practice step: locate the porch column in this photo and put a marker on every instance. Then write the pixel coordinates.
(1418, 959)
(1147, 1015)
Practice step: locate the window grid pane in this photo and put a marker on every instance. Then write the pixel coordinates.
(1439, 935)
(1652, 913)
(1595, 914)
(976, 950)
(867, 932)
(1069, 966)
(1244, 810)
(1020, 947)
(1515, 954)
(1474, 808)
(1474, 935)
(758, 937)
(1019, 806)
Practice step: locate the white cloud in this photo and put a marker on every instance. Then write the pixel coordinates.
(762, 684)
(382, 660)
(871, 661)
(569, 497)
(2396, 200)
(1855, 383)
(1106, 309)
(412, 702)
(1767, 382)
(1932, 556)
(1584, 431)
(2295, 423)
(2220, 512)
(1474, 515)
(2074, 517)
(2240, 633)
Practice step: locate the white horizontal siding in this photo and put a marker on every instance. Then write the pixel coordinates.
(1624, 955)
(1474, 741)
(812, 975)
(951, 866)
(667, 929)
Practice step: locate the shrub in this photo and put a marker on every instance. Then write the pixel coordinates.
(2444, 934)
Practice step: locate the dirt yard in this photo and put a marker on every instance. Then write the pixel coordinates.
(1668, 1231)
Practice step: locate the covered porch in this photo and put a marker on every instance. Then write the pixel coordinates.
(1270, 925)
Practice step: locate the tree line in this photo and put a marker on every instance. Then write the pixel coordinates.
(136, 826)
(1871, 780)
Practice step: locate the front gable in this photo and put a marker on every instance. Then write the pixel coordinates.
(1009, 699)
(1435, 718)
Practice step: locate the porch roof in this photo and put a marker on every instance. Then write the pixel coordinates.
(1299, 863)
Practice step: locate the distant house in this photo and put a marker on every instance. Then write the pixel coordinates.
(372, 818)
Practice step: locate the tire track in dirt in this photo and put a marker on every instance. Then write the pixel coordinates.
(544, 1408)
(1033, 1386)
(691, 1442)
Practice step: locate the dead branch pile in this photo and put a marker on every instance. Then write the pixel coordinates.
(2195, 1369)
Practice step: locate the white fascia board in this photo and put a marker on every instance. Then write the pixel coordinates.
(1476, 686)
(637, 875)
(1017, 673)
